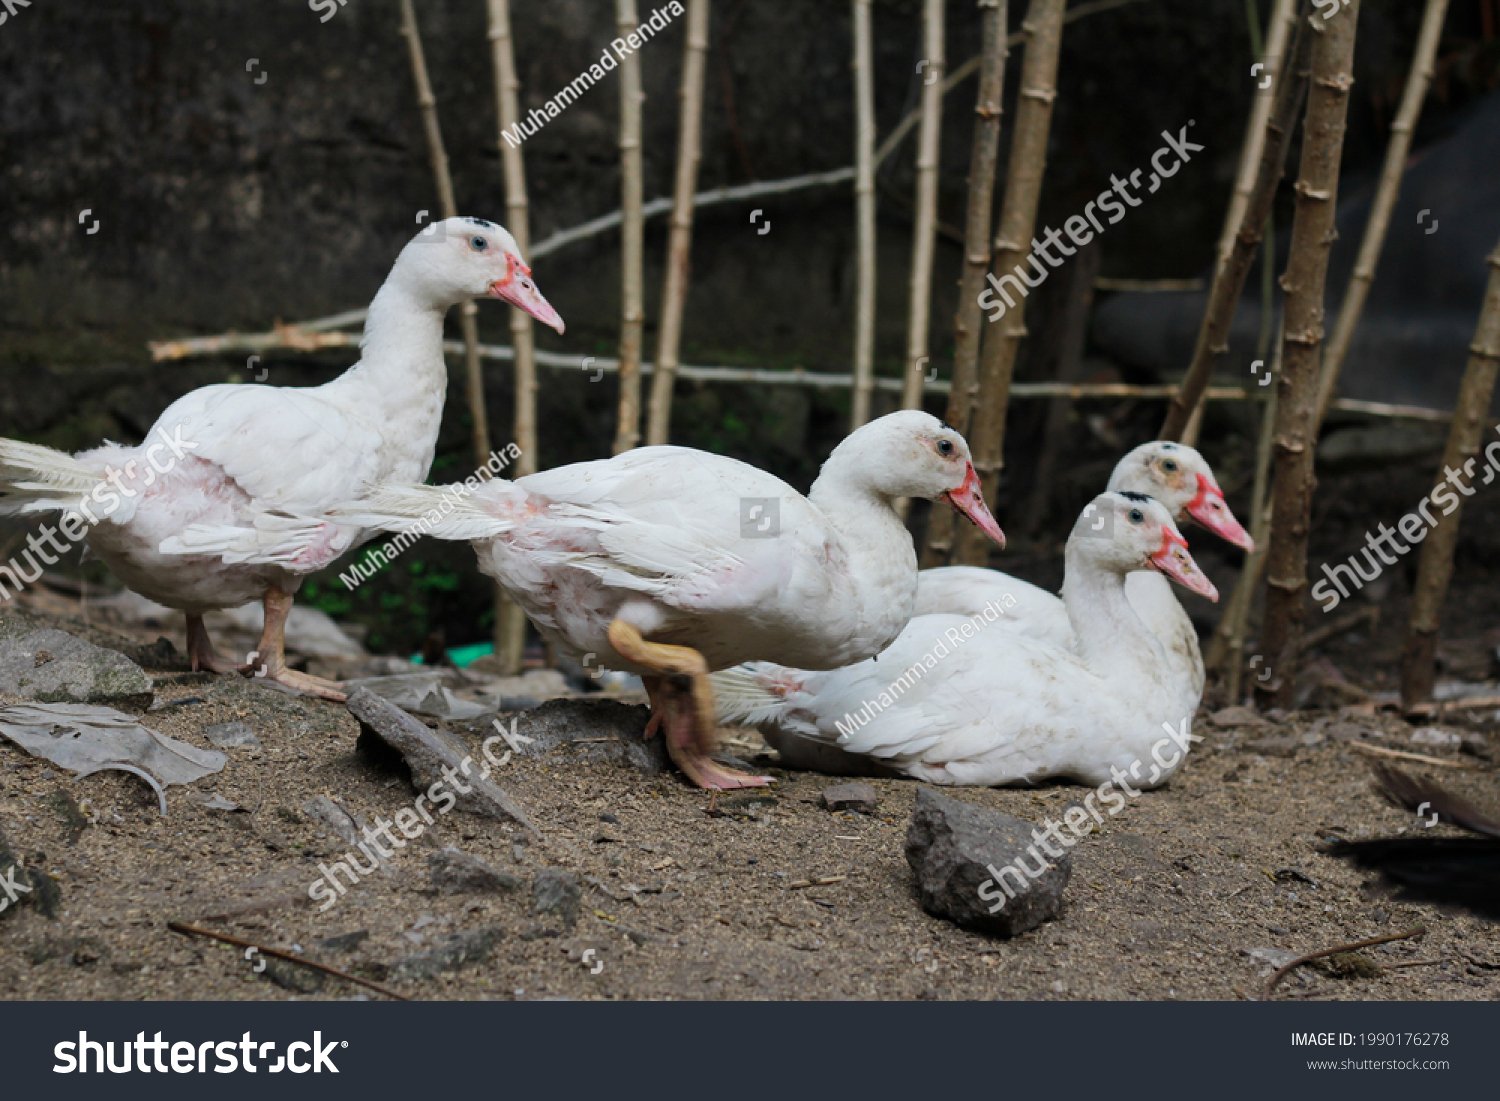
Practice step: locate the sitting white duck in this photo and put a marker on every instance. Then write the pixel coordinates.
(1180, 479)
(669, 562)
(200, 517)
(960, 700)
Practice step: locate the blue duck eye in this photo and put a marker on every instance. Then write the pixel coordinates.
(479, 243)
(1137, 516)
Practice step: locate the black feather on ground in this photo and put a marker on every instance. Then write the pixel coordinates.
(1462, 871)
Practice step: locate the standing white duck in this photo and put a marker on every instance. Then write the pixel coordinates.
(670, 562)
(1175, 475)
(211, 527)
(958, 700)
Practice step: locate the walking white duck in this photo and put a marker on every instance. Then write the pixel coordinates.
(1180, 479)
(670, 562)
(958, 700)
(200, 517)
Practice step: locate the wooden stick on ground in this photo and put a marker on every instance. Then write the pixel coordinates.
(1417, 81)
(1297, 396)
(1336, 949)
(864, 197)
(985, 153)
(468, 312)
(679, 247)
(1435, 568)
(187, 930)
(1023, 191)
(510, 621)
(924, 228)
(633, 237)
(1229, 279)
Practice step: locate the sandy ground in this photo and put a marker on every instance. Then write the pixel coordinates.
(1166, 901)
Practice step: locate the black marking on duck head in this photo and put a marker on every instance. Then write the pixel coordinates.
(481, 222)
(1132, 495)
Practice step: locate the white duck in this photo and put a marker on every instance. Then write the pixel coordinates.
(958, 700)
(670, 562)
(199, 517)
(1175, 475)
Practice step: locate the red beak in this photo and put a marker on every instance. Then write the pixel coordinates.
(1174, 560)
(968, 500)
(1209, 510)
(518, 289)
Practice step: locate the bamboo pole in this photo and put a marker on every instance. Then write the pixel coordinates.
(1296, 412)
(1278, 34)
(864, 218)
(924, 222)
(1435, 568)
(674, 292)
(985, 153)
(1042, 29)
(1389, 189)
(468, 311)
(1229, 279)
(633, 237)
(510, 621)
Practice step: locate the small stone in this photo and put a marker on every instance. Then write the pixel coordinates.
(1436, 736)
(231, 735)
(51, 666)
(858, 797)
(472, 946)
(558, 893)
(458, 873)
(610, 818)
(344, 942)
(592, 730)
(982, 869)
(1271, 959)
(1236, 716)
(1274, 747)
(1345, 732)
(289, 976)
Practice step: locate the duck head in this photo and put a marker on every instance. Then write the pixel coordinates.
(1181, 479)
(1126, 531)
(913, 454)
(462, 258)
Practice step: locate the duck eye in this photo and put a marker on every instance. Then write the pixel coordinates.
(1169, 465)
(479, 243)
(1137, 516)
(945, 447)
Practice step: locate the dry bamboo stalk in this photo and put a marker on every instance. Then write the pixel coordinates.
(924, 231)
(1283, 15)
(1435, 568)
(633, 237)
(1229, 280)
(1023, 192)
(468, 312)
(674, 291)
(988, 109)
(1389, 189)
(1297, 400)
(510, 621)
(864, 194)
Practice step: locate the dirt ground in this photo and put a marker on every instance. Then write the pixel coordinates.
(1166, 901)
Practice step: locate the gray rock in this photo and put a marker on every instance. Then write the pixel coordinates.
(958, 850)
(229, 735)
(471, 946)
(556, 892)
(51, 666)
(605, 731)
(859, 797)
(435, 758)
(344, 942)
(1275, 747)
(289, 976)
(458, 873)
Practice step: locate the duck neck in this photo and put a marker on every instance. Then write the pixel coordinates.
(878, 546)
(1110, 636)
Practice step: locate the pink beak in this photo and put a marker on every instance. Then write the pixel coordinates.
(1209, 510)
(968, 500)
(518, 289)
(1174, 560)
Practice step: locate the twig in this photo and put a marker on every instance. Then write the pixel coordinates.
(1435, 567)
(820, 881)
(680, 242)
(864, 217)
(1418, 963)
(1355, 946)
(1402, 755)
(193, 931)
